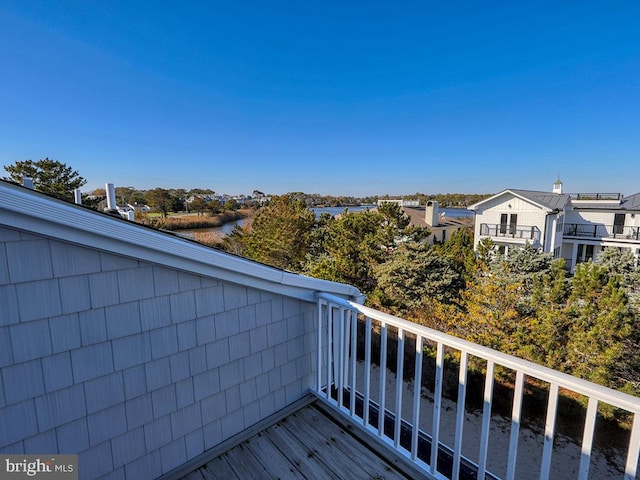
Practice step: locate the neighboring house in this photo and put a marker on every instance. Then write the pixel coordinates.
(440, 226)
(399, 201)
(575, 227)
(139, 207)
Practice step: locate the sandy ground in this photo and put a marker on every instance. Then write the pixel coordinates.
(566, 453)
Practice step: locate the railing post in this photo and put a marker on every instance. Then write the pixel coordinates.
(339, 373)
(587, 438)
(462, 393)
(417, 390)
(437, 406)
(549, 429)
(319, 347)
(515, 425)
(631, 468)
(367, 371)
(330, 348)
(486, 420)
(383, 377)
(399, 385)
(352, 362)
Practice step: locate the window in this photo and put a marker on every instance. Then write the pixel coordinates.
(503, 223)
(513, 221)
(618, 224)
(585, 253)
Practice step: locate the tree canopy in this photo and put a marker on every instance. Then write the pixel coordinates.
(49, 176)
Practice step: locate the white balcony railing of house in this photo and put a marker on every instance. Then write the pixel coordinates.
(593, 230)
(524, 232)
(345, 334)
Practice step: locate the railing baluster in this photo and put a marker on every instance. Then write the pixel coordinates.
(383, 378)
(631, 468)
(353, 357)
(330, 348)
(515, 425)
(549, 429)
(367, 371)
(417, 389)
(319, 346)
(341, 359)
(587, 438)
(486, 420)
(462, 392)
(437, 407)
(399, 385)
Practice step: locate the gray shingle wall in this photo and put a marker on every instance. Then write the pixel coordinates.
(137, 367)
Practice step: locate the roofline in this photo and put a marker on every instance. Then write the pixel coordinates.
(34, 212)
(508, 190)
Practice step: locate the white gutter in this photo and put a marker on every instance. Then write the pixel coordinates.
(37, 213)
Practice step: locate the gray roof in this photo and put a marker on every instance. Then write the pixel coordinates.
(632, 202)
(553, 201)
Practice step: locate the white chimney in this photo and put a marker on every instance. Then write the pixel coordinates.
(27, 182)
(111, 196)
(77, 196)
(431, 213)
(557, 187)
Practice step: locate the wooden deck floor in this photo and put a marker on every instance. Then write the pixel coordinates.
(305, 445)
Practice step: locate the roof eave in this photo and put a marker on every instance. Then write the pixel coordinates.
(30, 211)
(516, 194)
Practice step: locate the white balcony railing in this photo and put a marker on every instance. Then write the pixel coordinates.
(340, 345)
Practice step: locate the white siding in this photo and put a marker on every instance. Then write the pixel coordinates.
(529, 215)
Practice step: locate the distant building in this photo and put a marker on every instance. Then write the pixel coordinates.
(400, 201)
(440, 226)
(575, 227)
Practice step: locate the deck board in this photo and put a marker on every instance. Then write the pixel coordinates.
(375, 466)
(305, 445)
(307, 463)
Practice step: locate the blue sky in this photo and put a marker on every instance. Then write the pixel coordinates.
(333, 97)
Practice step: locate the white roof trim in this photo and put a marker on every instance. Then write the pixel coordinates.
(521, 197)
(36, 213)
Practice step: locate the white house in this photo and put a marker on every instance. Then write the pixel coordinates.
(575, 227)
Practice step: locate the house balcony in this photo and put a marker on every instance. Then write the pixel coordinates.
(512, 233)
(603, 232)
(384, 380)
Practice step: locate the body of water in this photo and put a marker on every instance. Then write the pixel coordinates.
(227, 228)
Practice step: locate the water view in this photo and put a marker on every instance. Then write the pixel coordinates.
(227, 228)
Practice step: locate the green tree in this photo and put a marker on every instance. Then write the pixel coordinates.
(347, 248)
(231, 204)
(279, 234)
(160, 200)
(198, 205)
(545, 342)
(601, 325)
(415, 274)
(49, 176)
